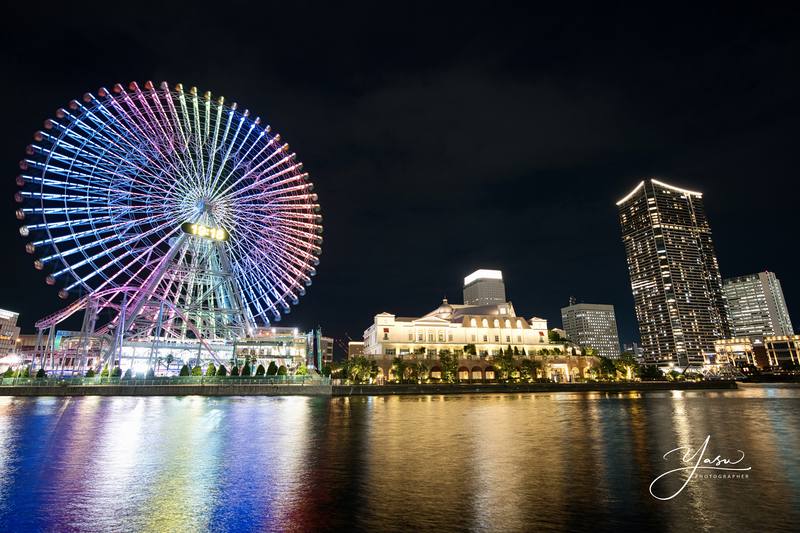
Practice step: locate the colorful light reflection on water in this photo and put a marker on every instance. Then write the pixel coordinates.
(473, 462)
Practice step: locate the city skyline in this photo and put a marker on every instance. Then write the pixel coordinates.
(387, 135)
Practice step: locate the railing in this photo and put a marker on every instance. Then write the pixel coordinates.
(176, 380)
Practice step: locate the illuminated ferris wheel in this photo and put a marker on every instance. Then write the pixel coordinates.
(176, 211)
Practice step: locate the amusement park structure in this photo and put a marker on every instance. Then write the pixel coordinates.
(170, 220)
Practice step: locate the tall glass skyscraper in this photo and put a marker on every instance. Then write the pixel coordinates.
(677, 288)
(756, 307)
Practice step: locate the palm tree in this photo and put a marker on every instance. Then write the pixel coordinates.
(170, 359)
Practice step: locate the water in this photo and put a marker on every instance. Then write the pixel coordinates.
(516, 462)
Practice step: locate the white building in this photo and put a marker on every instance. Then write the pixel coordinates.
(756, 307)
(592, 325)
(459, 329)
(9, 332)
(484, 287)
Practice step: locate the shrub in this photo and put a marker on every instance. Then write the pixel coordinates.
(272, 369)
(117, 372)
(211, 370)
(90, 373)
(246, 369)
(260, 371)
(301, 371)
(139, 375)
(9, 373)
(151, 374)
(104, 372)
(128, 374)
(222, 371)
(326, 371)
(282, 370)
(184, 370)
(235, 371)
(197, 371)
(40, 374)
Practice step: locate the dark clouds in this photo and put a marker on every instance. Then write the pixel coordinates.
(445, 139)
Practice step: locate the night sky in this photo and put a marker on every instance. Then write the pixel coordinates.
(441, 141)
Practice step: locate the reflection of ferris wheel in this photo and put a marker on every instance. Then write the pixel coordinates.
(150, 196)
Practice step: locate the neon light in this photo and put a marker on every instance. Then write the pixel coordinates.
(630, 194)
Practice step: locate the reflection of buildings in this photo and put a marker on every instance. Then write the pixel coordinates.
(674, 274)
(9, 332)
(592, 325)
(756, 306)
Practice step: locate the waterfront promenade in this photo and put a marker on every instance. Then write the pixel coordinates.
(306, 386)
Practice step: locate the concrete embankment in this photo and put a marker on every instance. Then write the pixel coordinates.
(380, 390)
(238, 389)
(169, 390)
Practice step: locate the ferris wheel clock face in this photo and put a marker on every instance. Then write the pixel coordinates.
(169, 194)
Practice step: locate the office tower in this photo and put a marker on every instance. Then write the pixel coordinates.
(592, 325)
(756, 307)
(484, 287)
(677, 288)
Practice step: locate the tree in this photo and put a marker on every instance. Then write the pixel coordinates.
(626, 364)
(246, 369)
(117, 372)
(41, 374)
(282, 371)
(302, 370)
(235, 371)
(399, 368)
(326, 371)
(104, 372)
(469, 349)
(421, 370)
(449, 364)
(197, 371)
(272, 369)
(222, 371)
(169, 360)
(260, 371)
(151, 374)
(9, 373)
(554, 337)
(606, 367)
(528, 369)
(90, 373)
(504, 364)
(128, 374)
(184, 370)
(516, 350)
(211, 370)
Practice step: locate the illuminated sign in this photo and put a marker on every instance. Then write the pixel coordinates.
(199, 230)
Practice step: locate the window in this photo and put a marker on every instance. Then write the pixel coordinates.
(472, 338)
(519, 338)
(519, 324)
(390, 351)
(450, 337)
(473, 323)
(430, 336)
(420, 337)
(440, 336)
(485, 338)
(411, 337)
(508, 323)
(496, 323)
(508, 338)
(497, 338)
(485, 323)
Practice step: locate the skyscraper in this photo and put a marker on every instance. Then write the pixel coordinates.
(592, 325)
(484, 287)
(677, 288)
(756, 307)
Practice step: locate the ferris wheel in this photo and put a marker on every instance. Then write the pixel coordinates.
(144, 197)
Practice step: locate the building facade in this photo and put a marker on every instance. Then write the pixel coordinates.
(674, 273)
(9, 332)
(592, 325)
(783, 351)
(484, 287)
(741, 351)
(756, 307)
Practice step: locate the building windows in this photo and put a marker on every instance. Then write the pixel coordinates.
(519, 338)
(508, 338)
(411, 337)
(508, 323)
(519, 324)
(485, 323)
(450, 337)
(430, 336)
(473, 323)
(390, 351)
(472, 338)
(497, 338)
(420, 337)
(441, 336)
(496, 323)
(485, 338)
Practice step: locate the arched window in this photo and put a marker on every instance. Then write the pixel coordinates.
(496, 323)
(473, 323)
(519, 324)
(485, 323)
(508, 323)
